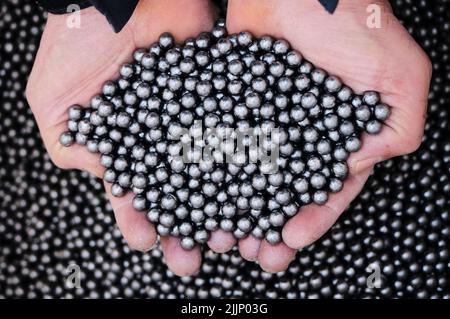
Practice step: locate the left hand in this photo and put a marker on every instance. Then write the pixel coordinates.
(385, 59)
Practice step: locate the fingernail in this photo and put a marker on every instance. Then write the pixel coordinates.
(365, 164)
(143, 243)
(155, 244)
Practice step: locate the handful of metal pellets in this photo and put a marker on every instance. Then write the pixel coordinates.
(225, 131)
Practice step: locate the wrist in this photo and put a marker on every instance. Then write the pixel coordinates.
(182, 18)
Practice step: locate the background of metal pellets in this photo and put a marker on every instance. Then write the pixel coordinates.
(50, 219)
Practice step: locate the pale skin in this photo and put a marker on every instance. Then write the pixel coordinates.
(72, 64)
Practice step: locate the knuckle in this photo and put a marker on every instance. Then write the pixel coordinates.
(411, 144)
(29, 94)
(425, 66)
(428, 65)
(35, 91)
(30, 85)
(33, 95)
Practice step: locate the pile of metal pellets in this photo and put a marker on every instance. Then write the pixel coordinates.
(224, 131)
(53, 221)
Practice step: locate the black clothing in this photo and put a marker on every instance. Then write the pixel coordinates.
(118, 12)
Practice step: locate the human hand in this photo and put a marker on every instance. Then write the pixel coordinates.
(70, 68)
(385, 59)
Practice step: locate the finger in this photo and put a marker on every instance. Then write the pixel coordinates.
(221, 241)
(139, 233)
(77, 157)
(406, 89)
(180, 261)
(390, 142)
(313, 221)
(73, 157)
(249, 248)
(401, 134)
(275, 258)
(375, 149)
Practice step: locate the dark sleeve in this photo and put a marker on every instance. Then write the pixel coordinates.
(329, 5)
(118, 12)
(62, 6)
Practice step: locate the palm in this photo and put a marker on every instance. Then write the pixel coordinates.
(365, 59)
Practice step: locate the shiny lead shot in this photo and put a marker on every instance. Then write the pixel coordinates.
(227, 82)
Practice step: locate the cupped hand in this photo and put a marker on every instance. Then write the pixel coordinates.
(384, 59)
(70, 68)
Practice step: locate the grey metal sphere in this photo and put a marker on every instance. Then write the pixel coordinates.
(373, 127)
(320, 197)
(382, 112)
(273, 237)
(66, 139)
(187, 243)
